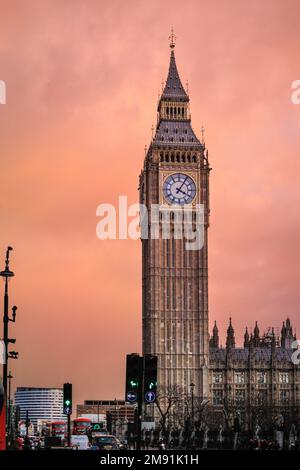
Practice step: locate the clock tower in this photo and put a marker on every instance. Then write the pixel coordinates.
(175, 279)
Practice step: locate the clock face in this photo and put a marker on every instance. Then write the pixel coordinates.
(179, 189)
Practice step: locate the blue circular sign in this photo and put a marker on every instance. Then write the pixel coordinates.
(150, 397)
(132, 396)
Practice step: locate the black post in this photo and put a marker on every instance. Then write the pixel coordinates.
(5, 335)
(69, 430)
(9, 406)
(6, 274)
(140, 403)
(27, 423)
(115, 419)
(192, 393)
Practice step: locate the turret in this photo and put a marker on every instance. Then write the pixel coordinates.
(273, 342)
(287, 336)
(214, 340)
(230, 340)
(256, 337)
(246, 339)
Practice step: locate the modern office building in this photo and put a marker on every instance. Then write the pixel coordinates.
(41, 403)
(119, 409)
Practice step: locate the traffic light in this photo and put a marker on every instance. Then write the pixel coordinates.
(132, 377)
(109, 422)
(67, 399)
(150, 378)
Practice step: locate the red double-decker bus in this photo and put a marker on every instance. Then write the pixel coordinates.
(58, 429)
(81, 426)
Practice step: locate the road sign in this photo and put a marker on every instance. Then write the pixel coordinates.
(150, 397)
(132, 396)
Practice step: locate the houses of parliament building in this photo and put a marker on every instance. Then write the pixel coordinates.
(175, 283)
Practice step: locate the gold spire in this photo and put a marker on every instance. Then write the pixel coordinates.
(172, 39)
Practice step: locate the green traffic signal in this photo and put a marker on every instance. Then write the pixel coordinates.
(67, 402)
(133, 383)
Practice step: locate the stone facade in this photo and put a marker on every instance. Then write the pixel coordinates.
(259, 378)
(175, 292)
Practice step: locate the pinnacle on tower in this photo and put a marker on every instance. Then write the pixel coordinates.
(273, 341)
(174, 118)
(230, 340)
(173, 89)
(256, 337)
(287, 337)
(214, 341)
(246, 339)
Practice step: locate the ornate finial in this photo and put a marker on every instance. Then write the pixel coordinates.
(162, 85)
(172, 39)
(152, 132)
(202, 132)
(187, 87)
(145, 149)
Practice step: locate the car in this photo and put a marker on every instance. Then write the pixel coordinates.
(105, 442)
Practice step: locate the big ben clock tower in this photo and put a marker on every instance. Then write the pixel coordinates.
(175, 279)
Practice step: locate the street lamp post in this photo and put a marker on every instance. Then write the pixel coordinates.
(7, 274)
(192, 395)
(10, 377)
(115, 418)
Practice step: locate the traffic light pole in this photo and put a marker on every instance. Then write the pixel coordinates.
(141, 383)
(69, 430)
(67, 408)
(140, 403)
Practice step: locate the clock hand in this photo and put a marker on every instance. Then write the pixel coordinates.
(178, 189)
(183, 192)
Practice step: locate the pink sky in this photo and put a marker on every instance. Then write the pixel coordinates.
(82, 81)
